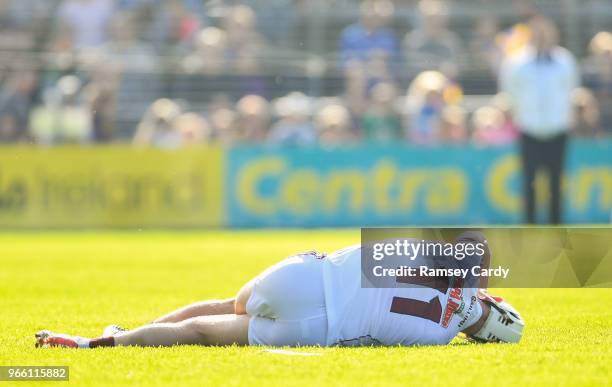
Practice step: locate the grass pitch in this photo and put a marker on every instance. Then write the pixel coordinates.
(80, 282)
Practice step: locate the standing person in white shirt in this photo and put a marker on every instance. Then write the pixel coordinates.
(539, 81)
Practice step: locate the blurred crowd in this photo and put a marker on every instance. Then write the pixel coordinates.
(70, 77)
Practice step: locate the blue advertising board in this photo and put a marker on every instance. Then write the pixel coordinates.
(403, 185)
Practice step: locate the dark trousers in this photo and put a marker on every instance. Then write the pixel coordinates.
(548, 155)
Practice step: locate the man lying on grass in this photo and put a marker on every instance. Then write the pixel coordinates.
(313, 299)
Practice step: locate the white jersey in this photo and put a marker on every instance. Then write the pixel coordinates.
(391, 316)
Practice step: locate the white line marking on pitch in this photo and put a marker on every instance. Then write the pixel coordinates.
(291, 353)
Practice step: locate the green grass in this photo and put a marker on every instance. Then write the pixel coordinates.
(80, 282)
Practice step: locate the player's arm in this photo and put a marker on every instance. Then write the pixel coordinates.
(474, 236)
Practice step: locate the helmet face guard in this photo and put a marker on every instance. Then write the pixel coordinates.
(504, 324)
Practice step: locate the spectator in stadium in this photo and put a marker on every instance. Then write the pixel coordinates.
(428, 95)
(9, 131)
(100, 94)
(124, 52)
(490, 128)
(587, 115)
(224, 122)
(516, 38)
(431, 45)
(381, 122)
(277, 19)
(165, 126)
(65, 116)
(175, 24)
(427, 122)
(16, 99)
(493, 124)
(367, 51)
(598, 73)
(126, 68)
(157, 126)
(209, 56)
(230, 56)
(192, 129)
(245, 50)
(240, 25)
(219, 101)
(84, 23)
(222, 119)
(334, 125)
(356, 84)
(485, 52)
(294, 127)
(358, 41)
(539, 82)
(453, 128)
(253, 118)
(502, 102)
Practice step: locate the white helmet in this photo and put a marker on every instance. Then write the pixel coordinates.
(504, 323)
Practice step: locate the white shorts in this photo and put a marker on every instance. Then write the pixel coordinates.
(287, 304)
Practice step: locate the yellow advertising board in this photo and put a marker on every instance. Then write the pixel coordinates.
(110, 186)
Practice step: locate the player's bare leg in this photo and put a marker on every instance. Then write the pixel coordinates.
(235, 305)
(225, 329)
(202, 308)
(197, 309)
(213, 322)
